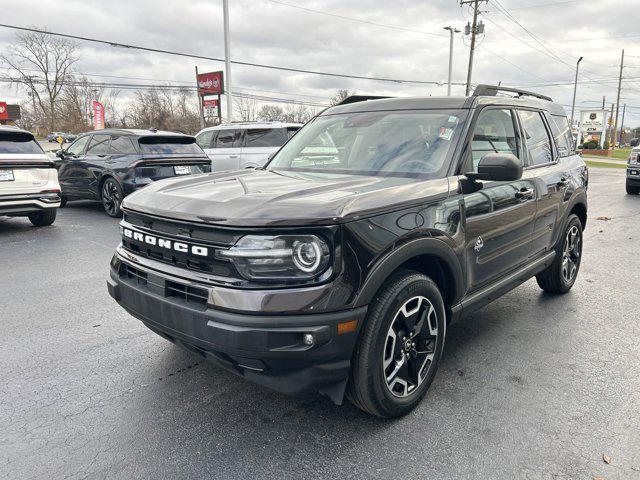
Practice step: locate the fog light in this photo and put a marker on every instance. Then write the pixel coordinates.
(307, 339)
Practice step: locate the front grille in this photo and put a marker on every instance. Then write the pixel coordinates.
(211, 237)
(186, 293)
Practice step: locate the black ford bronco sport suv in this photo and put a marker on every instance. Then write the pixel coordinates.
(338, 267)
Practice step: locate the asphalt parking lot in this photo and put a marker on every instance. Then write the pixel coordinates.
(531, 387)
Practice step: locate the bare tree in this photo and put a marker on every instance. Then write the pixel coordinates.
(297, 113)
(271, 113)
(246, 108)
(42, 63)
(75, 103)
(340, 96)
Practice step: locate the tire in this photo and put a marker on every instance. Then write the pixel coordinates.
(632, 190)
(381, 351)
(560, 276)
(43, 218)
(111, 196)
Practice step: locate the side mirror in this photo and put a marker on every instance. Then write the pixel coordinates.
(499, 167)
(60, 153)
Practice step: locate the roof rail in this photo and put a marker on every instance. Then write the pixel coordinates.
(359, 98)
(492, 91)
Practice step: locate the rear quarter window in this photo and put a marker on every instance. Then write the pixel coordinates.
(19, 143)
(562, 134)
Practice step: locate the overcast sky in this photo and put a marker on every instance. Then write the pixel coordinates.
(267, 32)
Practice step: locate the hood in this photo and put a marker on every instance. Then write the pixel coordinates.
(266, 197)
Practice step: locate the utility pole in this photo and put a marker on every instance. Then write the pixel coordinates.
(624, 108)
(473, 30)
(227, 61)
(575, 88)
(452, 30)
(603, 100)
(200, 98)
(615, 128)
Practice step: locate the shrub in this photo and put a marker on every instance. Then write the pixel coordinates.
(606, 145)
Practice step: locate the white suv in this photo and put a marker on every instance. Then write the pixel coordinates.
(241, 145)
(28, 179)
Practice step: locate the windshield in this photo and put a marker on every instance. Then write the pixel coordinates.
(401, 143)
(169, 146)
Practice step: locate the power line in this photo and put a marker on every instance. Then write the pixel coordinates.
(545, 5)
(215, 59)
(352, 19)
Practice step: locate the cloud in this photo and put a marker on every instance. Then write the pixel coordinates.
(270, 33)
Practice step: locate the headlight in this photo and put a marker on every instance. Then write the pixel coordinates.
(278, 258)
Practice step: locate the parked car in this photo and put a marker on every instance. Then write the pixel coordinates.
(68, 137)
(107, 165)
(243, 145)
(633, 172)
(28, 179)
(342, 265)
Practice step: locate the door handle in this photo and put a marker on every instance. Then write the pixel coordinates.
(233, 156)
(525, 194)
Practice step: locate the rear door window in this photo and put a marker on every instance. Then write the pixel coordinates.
(228, 138)
(19, 143)
(99, 145)
(265, 137)
(537, 137)
(122, 145)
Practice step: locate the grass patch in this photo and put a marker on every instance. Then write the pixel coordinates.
(595, 163)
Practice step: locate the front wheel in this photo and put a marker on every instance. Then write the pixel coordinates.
(111, 194)
(43, 218)
(632, 189)
(560, 276)
(399, 347)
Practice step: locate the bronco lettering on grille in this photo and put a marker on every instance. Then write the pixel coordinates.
(166, 243)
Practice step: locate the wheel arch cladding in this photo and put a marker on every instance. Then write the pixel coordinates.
(431, 257)
(580, 210)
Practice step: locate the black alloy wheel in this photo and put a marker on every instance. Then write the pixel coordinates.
(111, 194)
(399, 348)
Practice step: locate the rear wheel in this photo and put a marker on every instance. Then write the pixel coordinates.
(632, 189)
(43, 218)
(560, 276)
(399, 348)
(111, 194)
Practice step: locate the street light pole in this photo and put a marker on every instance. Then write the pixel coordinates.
(451, 32)
(227, 61)
(575, 88)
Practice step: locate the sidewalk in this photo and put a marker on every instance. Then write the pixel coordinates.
(596, 158)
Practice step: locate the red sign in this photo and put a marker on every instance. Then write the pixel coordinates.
(4, 114)
(210, 103)
(98, 115)
(210, 83)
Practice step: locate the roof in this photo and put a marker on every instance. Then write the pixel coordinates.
(445, 103)
(138, 132)
(245, 125)
(7, 129)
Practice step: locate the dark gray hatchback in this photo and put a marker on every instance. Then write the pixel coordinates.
(338, 266)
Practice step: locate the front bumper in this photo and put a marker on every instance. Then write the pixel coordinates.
(265, 349)
(22, 204)
(633, 175)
